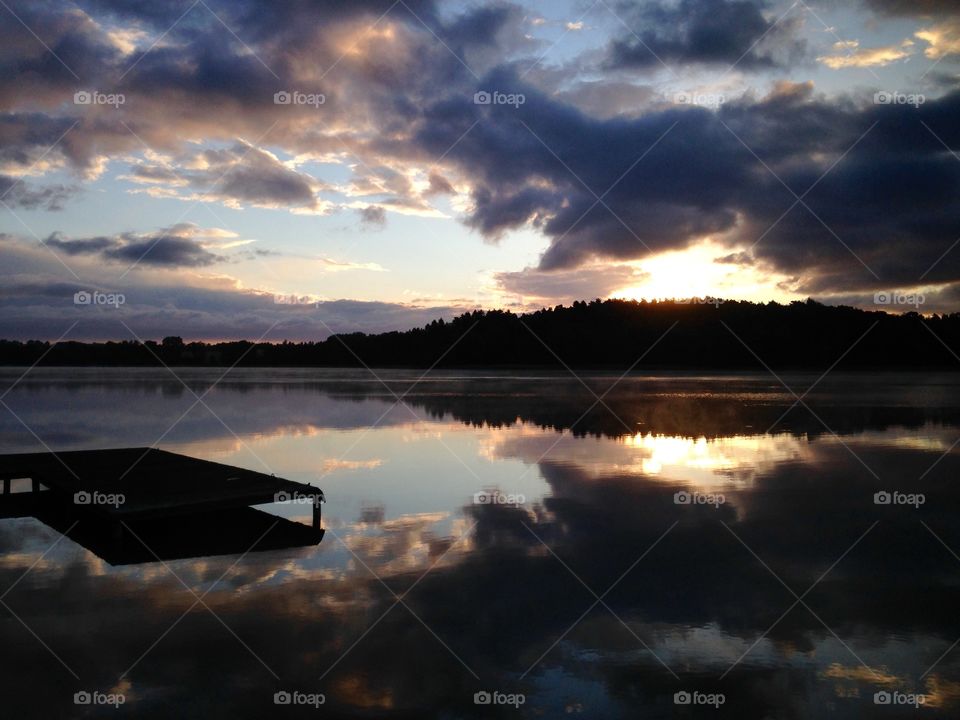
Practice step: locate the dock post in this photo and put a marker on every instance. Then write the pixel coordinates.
(316, 513)
(35, 485)
(6, 486)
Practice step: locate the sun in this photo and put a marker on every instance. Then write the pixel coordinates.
(696, 272)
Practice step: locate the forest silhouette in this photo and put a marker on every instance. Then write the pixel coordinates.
(611, 334)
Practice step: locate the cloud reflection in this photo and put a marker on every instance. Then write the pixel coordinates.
(499, 585)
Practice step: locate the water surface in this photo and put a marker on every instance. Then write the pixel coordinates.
(659, 535)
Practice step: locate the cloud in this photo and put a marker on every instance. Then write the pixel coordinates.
(879, 181)
(197, 84)
(722, 32)
(373, 216)
(400, 122)
(165, 250)
(238, 175)
(915, 8)
(742, 259)
(179, 246)
(336, 266)
(606, 98)
(331, 465)
(439, 185)
(37, 301)
(943, 39)
(566, 286)
(17, 192)
(850, 54)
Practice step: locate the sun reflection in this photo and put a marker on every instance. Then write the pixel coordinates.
(698, 463)
(665, 451)
(715, 454)
(708, 462)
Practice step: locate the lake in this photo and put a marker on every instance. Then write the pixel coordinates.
(508, 545)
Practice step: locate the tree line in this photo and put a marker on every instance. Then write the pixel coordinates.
(614, 334)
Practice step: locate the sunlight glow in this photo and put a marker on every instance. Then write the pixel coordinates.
(696, 272)
(709, 463)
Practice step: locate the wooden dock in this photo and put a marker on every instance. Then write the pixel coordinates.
(174, 506)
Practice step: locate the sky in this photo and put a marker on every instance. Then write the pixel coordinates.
(225, 169)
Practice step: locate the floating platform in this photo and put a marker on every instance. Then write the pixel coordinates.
(134, 505)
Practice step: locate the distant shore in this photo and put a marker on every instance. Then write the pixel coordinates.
(612, 335)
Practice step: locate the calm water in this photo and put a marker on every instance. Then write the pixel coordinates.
(781, 588)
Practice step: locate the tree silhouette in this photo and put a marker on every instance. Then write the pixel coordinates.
(611, 334)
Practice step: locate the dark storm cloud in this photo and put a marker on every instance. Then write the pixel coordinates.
(703, 31)
(888, 200)
(914, 8)
(519, 177)
(888, 197)
(34, 75)
(86, 246)
(266, 15)
(481, 25)
(501, 209)
(486, 34)
(944, 80)
(25, 135)
(168, 248)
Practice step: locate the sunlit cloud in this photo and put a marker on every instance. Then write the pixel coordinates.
(943, 39)
(849, 54)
